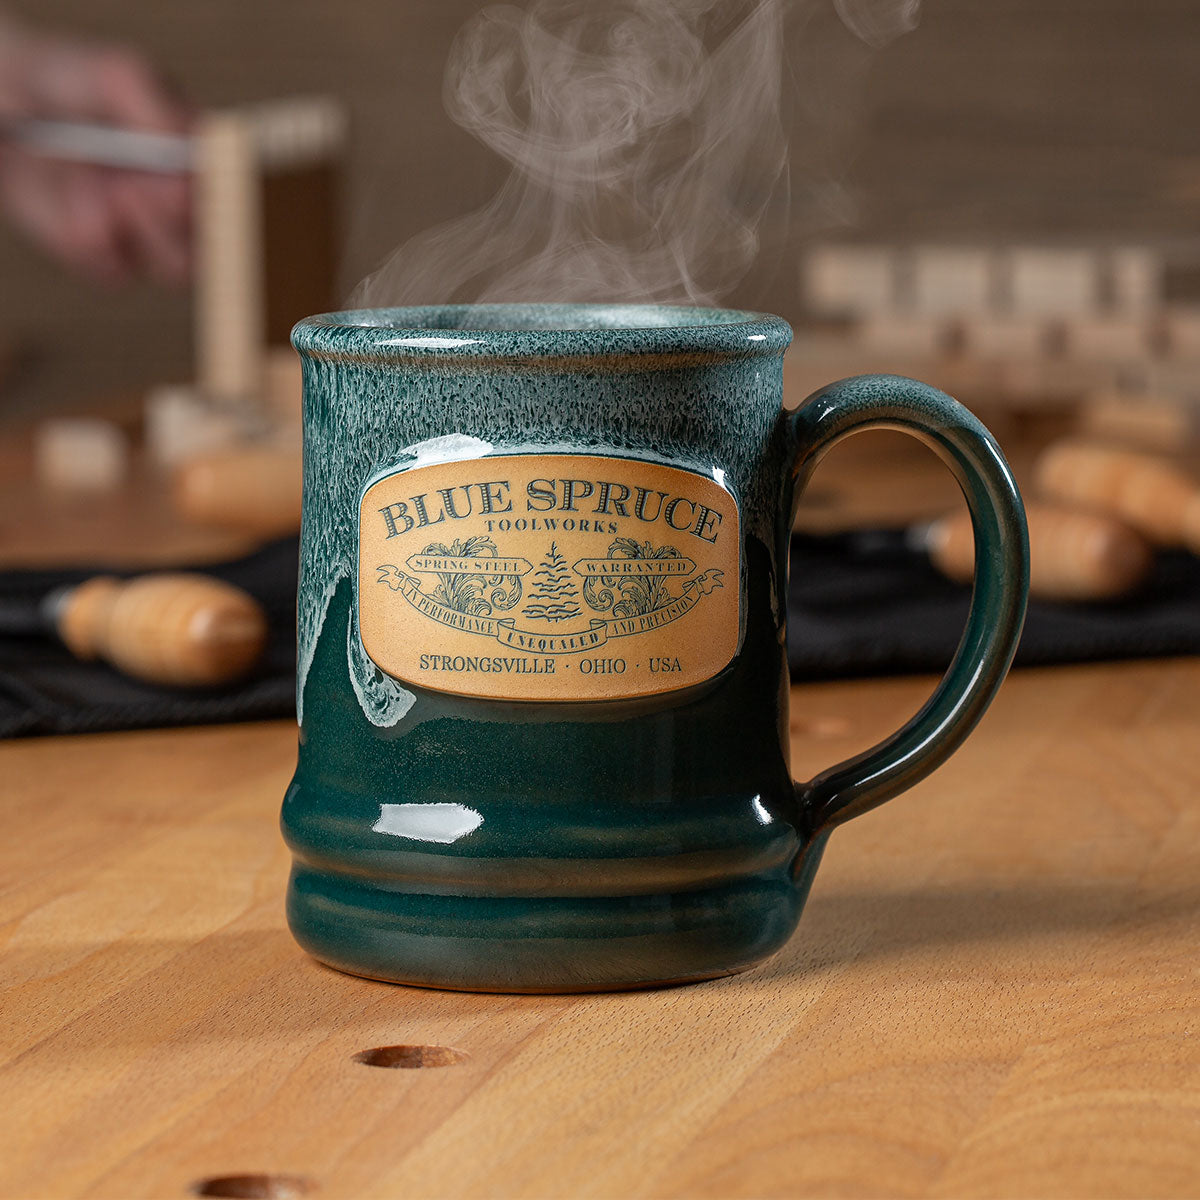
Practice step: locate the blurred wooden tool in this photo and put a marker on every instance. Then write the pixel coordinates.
(255, 489)
(1073, 554)
(1152, 494)
(179, 629)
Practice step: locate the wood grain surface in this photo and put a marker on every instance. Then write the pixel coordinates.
(993, 993)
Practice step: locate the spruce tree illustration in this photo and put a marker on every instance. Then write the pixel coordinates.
(553, 595)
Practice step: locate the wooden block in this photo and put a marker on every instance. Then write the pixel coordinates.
(1135, 274)
(229, 277)
(80, 454)
(267, 202)
(1168, 376)
(850, 280)
(1053, 282)
(298, 132)
(180, 423)
(1006, 337)
(1109, 338)
(1139, 419)
(1183, 332)
(904, 336)
(950, 280)
(1052, 382)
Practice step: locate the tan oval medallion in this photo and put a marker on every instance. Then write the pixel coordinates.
(549, 577)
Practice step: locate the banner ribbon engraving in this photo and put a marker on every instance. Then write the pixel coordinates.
(571, 641)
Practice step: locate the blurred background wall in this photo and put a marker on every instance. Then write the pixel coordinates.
(1036, 119)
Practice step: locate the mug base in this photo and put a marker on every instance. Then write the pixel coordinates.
(547, 991)
(545, 944)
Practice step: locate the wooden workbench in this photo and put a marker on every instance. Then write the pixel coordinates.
(994, 991)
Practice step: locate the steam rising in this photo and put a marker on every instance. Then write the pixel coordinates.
(878, 22)
(646, 141)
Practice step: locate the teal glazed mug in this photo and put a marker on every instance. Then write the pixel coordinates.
(542, 672)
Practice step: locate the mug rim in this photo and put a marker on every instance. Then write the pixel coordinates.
(527, 331)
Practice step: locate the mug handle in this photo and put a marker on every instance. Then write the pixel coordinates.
(998, 599)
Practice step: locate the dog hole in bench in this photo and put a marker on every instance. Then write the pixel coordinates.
(254, 1187)
(409, 1057)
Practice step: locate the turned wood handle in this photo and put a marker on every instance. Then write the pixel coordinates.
(1073, 554)
(174, 628)
(256, 489)
(1156, 497)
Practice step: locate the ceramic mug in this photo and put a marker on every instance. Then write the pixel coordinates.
(542, 673)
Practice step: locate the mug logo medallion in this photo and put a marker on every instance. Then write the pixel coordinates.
(549, 577)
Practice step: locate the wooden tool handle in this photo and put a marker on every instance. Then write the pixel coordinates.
(256, 489)
(1073, 554)
(174, 628)
(1146, 491)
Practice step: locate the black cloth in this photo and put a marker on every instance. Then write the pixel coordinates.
(858, 604)
(865, 603)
